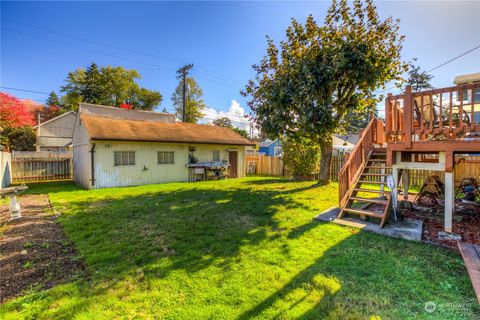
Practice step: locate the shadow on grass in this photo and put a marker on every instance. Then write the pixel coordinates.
(152, 234)
(360, 278)
(51, 187)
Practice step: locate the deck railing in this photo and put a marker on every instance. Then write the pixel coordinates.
(447, 114)
(373, 134)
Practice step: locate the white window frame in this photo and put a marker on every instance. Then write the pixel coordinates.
(170, 160)
(130, 158)
(213, 155)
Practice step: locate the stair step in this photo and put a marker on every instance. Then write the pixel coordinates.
(377, 160)
(364, 212)
(375, 174)
(372, 182)
(378, 167)
(371, 191)
(370, 200)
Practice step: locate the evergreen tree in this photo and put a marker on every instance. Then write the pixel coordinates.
(194, 105)
(419, 80)
(52, 100)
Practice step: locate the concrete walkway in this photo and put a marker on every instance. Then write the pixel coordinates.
(405, 229)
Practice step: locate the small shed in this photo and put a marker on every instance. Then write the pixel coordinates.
(115, 148)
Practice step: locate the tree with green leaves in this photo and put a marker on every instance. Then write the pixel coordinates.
(18, 138)
(305, 86)
(111, 86)
(223, 122)
(241, 132)
(194, 104)
(419, 80)
(53, 100)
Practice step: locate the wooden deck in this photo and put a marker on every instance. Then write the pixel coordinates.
(440, 120)
(471, 256)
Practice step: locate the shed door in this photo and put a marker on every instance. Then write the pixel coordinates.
(232, 159)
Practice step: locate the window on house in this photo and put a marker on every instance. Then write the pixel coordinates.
(166, 157)
(277, 151)
(124, 158)
(216, 155)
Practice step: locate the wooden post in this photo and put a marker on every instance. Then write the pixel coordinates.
(407, 117)
(449, 199)
(406, 183)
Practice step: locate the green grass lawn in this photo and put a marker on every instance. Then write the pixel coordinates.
(238, 249)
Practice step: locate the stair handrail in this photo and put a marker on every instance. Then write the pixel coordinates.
(373, 134)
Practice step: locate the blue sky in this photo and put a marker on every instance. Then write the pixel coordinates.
(222, 40)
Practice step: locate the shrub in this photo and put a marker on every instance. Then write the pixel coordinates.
(302, 159)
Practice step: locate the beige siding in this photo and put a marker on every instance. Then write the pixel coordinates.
(57, 132)
(204, 152)
(146, 169)
(60, 127)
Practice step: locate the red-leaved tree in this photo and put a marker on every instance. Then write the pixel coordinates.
(13, 112)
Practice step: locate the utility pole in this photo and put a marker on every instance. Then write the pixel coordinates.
(182, 74)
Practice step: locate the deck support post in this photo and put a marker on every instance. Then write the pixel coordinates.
(449, 199)
(406, 183)
(395, 175)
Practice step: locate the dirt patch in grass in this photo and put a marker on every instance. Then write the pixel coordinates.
(34, 252)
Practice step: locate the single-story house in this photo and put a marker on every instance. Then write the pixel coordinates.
(56, 133)
(114, 148)
(271, 148)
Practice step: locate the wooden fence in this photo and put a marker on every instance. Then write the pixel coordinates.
(273, 166)
(41, 166)
(264, 165)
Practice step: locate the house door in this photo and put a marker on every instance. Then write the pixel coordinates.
(233, 160)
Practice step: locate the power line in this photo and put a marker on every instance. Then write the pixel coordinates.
(82, 48)
(440, 65)
(24, 90)
(453, 59)
(206, 71)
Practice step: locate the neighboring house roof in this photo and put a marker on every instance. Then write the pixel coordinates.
(338, 142)
(267, 143)
(107, 128)
(119, 113)
(54, 119)
(467, 78)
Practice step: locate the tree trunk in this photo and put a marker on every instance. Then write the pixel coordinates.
(325, 162)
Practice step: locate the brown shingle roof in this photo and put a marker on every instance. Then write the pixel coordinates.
(104, 128)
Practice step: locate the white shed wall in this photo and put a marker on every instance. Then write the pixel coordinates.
(81, 155)
(82, 166)
(146, 169)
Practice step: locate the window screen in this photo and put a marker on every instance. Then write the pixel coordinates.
(216, 155)
(166, 157)
(124, 158)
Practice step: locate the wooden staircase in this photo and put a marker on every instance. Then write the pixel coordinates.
(365, 201)
(365, 167)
